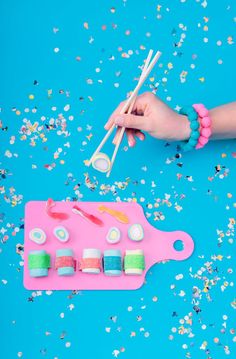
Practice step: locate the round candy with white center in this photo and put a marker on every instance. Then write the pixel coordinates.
(113, 236)
(136, 232)
(101, 162)
(61, 234)
(37, 235)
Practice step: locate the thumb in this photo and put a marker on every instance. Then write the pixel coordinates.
(132, 121)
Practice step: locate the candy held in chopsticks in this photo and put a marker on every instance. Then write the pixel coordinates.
(101, 162)
(61, 234)
(55, 215)
(89, 217)
(119, 216)
(37, 235)
(136, 232)
(113, 236)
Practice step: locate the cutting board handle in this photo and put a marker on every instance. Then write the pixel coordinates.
(171, 246)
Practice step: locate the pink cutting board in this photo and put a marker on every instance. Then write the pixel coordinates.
(157, 245)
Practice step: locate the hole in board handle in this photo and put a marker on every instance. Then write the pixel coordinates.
(178, 245)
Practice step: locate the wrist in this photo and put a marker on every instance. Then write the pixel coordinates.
(183, 133)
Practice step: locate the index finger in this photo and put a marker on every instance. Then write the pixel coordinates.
(116, 112)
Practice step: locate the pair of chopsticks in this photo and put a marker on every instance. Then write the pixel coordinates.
(127, 108)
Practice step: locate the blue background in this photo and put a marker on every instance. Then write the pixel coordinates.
(147, 322)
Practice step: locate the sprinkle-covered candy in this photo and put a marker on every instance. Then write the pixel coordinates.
(136, 232)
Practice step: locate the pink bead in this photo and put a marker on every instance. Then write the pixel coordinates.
(206, 132)
(202, 140)
(196, 106)
(198, 146)
(202, 111)
(206, 122)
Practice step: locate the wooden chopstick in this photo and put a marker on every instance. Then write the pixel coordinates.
(143, 77)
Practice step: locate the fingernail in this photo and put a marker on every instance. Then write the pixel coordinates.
(119, 121)
(130, 143)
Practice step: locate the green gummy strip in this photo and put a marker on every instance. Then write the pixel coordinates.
(134, 261)
(38, 261)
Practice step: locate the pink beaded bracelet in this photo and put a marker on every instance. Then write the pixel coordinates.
(205, 125)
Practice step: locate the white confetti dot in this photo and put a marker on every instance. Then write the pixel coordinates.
(179, 276)
(67, 107)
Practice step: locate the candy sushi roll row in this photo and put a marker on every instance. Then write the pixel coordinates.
(92, 262)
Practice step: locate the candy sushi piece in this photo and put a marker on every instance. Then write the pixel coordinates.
(61, 234)
(38, 263)
(112, 261)
(101, 162)
(134, 262)
(136, 232)
(113, 236)
(37, 235)
(65, 263)
(91, 261)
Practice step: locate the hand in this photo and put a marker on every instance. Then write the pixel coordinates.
(153, 116)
